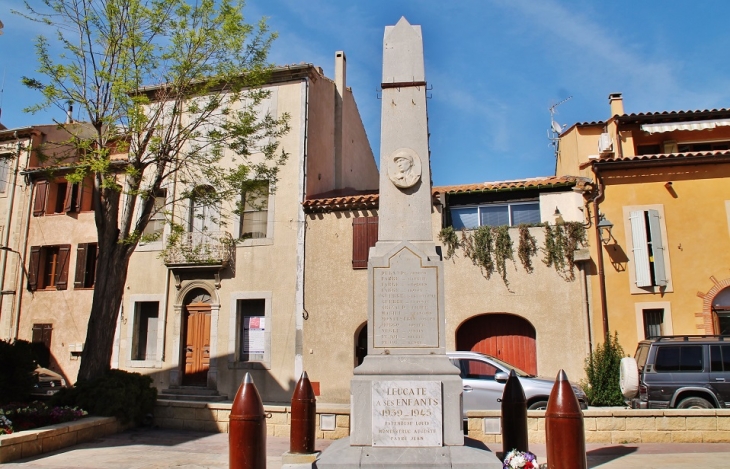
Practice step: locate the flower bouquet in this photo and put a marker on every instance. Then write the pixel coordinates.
(520, 460)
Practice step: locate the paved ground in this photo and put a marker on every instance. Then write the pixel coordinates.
(157, 448)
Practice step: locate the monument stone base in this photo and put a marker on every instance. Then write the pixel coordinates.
(472, 455)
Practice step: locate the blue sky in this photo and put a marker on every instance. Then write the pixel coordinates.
(495, 66)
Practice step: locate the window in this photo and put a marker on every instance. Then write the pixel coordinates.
(144, 338)
(253, 330)
(255, 211)
(156, 224)
(48, 267)
(59, 196)
(364, 236)
(41, 341)
(702, 146)
(511, 214)
(475, 369)
(648, 248)
(678, 358)
(719, 357)
(4, 171)
(653, 322)
(204, 210)
(85, 265)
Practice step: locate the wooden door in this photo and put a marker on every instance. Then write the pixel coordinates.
(197, 344)
(505, 336)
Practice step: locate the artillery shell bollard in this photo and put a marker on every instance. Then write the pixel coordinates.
(303, 417)
(514, 416)
(303, 422)
(247, 429)
(564, 429)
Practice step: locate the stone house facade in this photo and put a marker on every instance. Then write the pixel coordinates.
(539, 321)
(662, 184)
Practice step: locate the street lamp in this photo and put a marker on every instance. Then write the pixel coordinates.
(604, 227)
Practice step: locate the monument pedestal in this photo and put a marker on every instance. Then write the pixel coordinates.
(424, 410)
(473, 455)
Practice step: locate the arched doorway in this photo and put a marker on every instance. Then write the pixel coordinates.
(508, 337)
(721, 311)
(196, 337)
(361, 344)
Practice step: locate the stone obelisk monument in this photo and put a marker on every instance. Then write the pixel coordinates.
(406, 395)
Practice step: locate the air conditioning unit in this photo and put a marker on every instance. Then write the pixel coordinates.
(605, 144)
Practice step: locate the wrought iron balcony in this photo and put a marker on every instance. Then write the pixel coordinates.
(201, 249)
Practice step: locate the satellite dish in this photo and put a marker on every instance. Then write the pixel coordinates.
(556, 127)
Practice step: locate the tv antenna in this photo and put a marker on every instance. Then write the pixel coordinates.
(555, 128)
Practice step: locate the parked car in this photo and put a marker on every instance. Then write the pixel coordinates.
(484, 378)
(47, 383)
(683, 372)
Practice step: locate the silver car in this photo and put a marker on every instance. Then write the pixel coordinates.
(484, 378)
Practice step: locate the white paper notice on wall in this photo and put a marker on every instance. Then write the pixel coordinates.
(254, 328)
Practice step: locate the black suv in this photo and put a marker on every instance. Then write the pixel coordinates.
(683, 372)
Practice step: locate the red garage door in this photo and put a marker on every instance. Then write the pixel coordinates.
(505, 336)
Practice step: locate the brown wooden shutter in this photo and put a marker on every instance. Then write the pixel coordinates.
(80, 277)
(64, 252)
(364, 236)
(41, 196)
(72, 201)
(33, 267)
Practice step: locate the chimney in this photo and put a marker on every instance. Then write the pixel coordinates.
(616, 101)
(69, 113)
(340, 87)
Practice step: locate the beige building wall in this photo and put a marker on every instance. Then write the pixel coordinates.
(691, 197)
(269, 268)
(336, 303)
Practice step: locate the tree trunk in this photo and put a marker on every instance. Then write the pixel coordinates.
(111, 275)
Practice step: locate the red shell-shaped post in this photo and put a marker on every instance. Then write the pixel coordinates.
(514, 416)
(303, 417)
(564, 428)
(247, 429)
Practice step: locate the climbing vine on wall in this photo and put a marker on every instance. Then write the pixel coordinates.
(489, 247)
(526, 248)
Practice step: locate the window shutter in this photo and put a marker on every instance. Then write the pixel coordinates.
(73, 198)
(641, 249)
(34, 265)
(364, 236)
(80, 277)
(64, 252)
(657, 248)
(41, 194)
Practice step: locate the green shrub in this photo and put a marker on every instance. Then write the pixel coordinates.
(16, 371)
(603, 368)
(127, 396)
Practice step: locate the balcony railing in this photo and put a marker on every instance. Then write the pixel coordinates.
(209, 248)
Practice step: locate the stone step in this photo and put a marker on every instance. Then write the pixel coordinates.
(190, 397)
(191, 393)
(191, 390)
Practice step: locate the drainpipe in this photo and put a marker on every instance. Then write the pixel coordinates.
(20, 271)
(8, 219)
(599, 250)
(300, 313)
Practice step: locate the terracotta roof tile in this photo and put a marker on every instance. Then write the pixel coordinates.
(369, 200)
(662, 157)
(520, 184)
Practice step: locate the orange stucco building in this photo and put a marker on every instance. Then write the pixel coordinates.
(662, 180)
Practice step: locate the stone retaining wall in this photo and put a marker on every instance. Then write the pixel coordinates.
(614, 425)
(620, 426)
(213, 417)
(30, 443)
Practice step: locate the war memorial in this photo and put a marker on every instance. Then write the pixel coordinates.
(406, 395)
